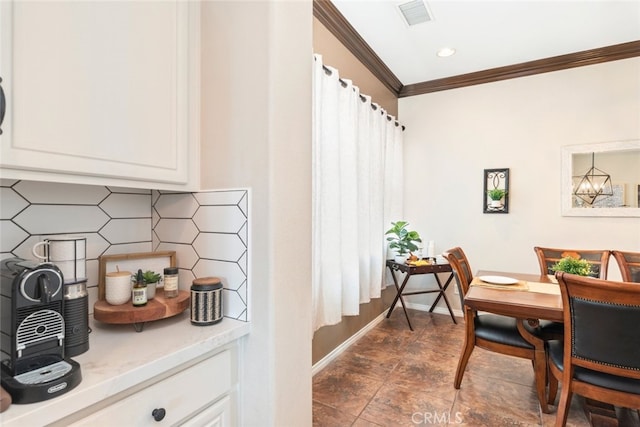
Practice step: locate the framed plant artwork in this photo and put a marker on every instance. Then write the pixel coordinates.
(495, 197)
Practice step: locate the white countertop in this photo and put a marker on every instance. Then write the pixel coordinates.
(119, 358)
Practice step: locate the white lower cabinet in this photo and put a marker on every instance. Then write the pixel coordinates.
(196, 396)
(216, 415)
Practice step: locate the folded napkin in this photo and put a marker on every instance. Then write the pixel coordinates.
(520, 286)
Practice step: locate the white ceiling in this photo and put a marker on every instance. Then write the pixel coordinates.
(488, 34)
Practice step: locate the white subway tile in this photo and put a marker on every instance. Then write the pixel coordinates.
(68, 194)
(176, 205)
(11, 204)
(224, 247)
(57, 219)
(176, 230)
(127, 205)
(219, 219)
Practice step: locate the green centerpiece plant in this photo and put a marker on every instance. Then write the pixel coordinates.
(573, 265)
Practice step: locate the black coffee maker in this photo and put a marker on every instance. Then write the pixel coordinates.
(32, 326)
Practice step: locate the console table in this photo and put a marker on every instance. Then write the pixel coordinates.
(412, 270)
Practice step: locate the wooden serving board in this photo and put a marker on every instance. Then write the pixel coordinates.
(156, 308)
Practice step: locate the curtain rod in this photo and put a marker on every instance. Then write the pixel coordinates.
(362, 98)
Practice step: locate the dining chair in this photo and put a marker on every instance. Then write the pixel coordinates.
(493, 332)
(599, 357)
(547, 257)
(629, 264)
(599, 259)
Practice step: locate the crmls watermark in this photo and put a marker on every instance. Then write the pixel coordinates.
(425, 418)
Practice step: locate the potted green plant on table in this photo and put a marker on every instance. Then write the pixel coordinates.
(496, 196)
(573, 265)
(151, 279)
(402, 241)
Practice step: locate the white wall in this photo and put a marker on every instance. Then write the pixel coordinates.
(256, 133)
(520, 124)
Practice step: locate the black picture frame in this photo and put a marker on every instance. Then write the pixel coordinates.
(496, 179)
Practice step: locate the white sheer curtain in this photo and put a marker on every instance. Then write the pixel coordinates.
(357, 192)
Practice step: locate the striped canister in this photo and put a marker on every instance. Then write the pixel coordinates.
(206, 301)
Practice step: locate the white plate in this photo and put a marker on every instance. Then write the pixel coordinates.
(499, 280)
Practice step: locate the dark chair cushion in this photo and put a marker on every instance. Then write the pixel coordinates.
(614, 382)
(500, 329)
(548, 330)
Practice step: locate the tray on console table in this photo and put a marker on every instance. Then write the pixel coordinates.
(156, 309)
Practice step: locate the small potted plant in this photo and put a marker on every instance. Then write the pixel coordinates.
(151, 279)
(496, 196)
(402, 240)
(573, 265)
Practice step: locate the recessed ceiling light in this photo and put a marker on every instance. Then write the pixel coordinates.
(446, 51)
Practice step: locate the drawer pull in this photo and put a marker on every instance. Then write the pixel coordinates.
(3, 105)
(158, 414)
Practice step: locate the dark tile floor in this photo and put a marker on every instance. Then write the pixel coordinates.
(395, 377)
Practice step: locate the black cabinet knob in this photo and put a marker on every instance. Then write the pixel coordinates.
(158, 414)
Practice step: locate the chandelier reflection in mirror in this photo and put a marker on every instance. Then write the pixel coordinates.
(594, 184)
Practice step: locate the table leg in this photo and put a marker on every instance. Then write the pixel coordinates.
(395, 300)
(399, 297)
(442, 294)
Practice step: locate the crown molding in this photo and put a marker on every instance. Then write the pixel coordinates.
(337, 24)
(555, 63)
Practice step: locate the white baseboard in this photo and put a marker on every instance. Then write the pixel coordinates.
(322, 363)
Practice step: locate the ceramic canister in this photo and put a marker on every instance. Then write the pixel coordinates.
(117, 287)
(206, 301)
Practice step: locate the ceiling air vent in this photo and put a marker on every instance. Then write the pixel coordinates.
(415, 12)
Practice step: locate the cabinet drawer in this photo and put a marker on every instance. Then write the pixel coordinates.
(180, 395)
(216, 415)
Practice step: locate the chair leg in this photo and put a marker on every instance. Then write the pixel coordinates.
(467, 349)
(552, 381)
(540, 370)
(553, 389)
(563, 405)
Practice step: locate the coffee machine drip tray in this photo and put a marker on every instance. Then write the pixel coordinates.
(42, 383)
(44, 374)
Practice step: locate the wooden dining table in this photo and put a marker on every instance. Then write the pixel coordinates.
(539, 301)
(532, 299)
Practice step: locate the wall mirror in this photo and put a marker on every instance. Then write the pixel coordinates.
(617, 163)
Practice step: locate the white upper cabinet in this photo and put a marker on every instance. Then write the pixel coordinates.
(101, 92)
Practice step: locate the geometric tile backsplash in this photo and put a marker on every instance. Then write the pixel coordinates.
(208, 230)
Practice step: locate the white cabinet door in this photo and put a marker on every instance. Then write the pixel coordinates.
(99, 88)
(216, 415)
